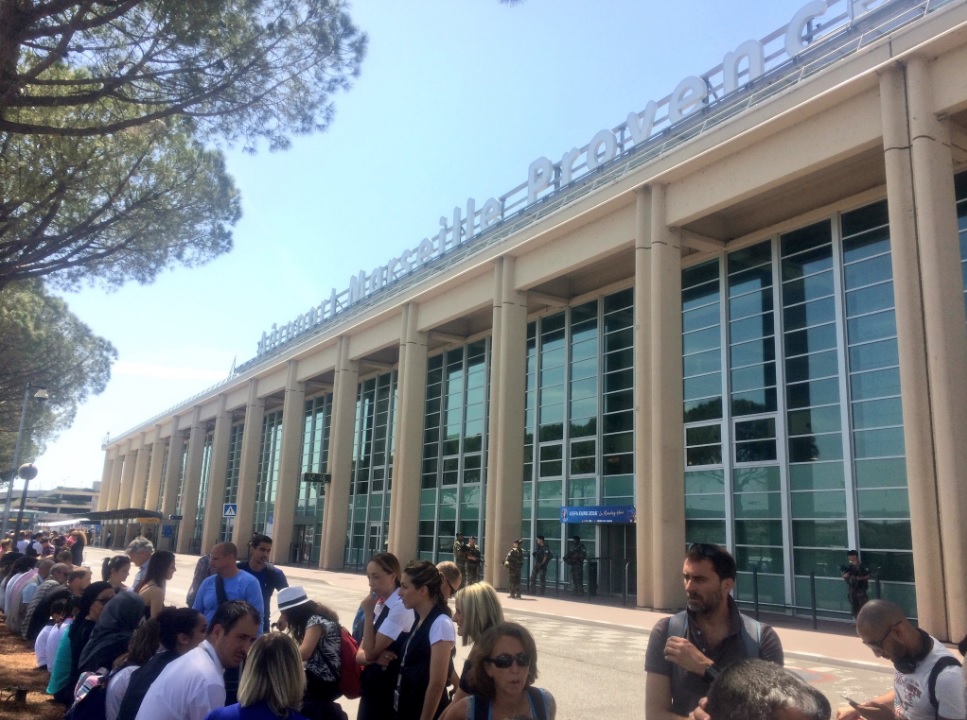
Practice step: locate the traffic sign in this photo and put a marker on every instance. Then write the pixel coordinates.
(229, 510)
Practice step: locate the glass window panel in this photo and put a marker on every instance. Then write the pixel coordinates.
(588, 312)
(750, 280)
(551, 468)
(869, 299)
(708, 409)
(757, 505)
(448, 504)
(825, 563)
(820, 337)
(583, 428)
(807, 263)
(811, 367)
(619, 360)
(703, 455)
(754, 402)
(620, 300)
(552, 376)
(704, 481)
(814, 420)
(895, 566)
(755, 429)
(817, 312)
(583, 488)
(750, 257)
(809, 288)
(619, 340)
(581, 389)
(752, 377)
(815, 448)
(584, 369)
(877, 413)
(819, 505)
(619, 486)
(751, 353)
(619, 319)
(703, 362)
(584, 350)
(872, 327)
(703, 435)
(705, 531)
(880, 473)
(883, 503)
(705, 275)
(702, 386)
(755, 451)
(583, 466)
(699, 340)
(867, 272)
(763, 559)
(618, 401)
(751, 304)
(701, 317)
(771, 588)
(620, 442)
(885, 534)
(758, 532)
(756, 479)
(704, 507)
(864, 218)
(819, 533)
(811, 236)
(818, 392)
(619, 422)
(750, 328)
(619, 464)
(878, 443)
(620, 380)
(872, 356)
(875, 384)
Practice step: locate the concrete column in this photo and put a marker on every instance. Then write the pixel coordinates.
(290, 463)
(506, 473)
(918, 426)
(248, 471)
(342, 428)
(127, 476)
(136, 498)
(668, 443)
(116, 473)
(216, 482)
(176, 446)
(107, 478)
(408, 443)
(488, 510)
(189, 493)
(643, 437)
(158, 449)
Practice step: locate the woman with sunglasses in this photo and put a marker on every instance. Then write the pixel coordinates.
(503, 668)
(385, 622)
(425, 660)
(477, 609)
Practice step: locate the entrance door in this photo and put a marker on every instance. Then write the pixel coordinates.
(618, 560)
(374, 539)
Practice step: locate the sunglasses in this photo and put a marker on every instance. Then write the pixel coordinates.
(505, 661)
(878, 645)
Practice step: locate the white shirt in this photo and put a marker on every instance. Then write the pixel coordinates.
(53, 640)
(116, 687)
(188, 689)
(912, 700)
(40, 645)
(399, 620)
(442, 629)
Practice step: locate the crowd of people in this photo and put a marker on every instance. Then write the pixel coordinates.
(118, 648)
(124, 652)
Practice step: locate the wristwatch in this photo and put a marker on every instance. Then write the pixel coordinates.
(711, 672)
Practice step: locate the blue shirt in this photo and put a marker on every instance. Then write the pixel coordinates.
(270, 579)
(241, 587)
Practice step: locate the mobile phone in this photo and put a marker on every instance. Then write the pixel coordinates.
(851, 701)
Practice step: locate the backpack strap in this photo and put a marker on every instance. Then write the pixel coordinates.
(678, 624)
(751, 635)
(537, 700)
(220, 590)
(942, 664)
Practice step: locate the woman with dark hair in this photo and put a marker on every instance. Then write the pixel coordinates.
(503, 668)
(425, 661)
(316, 629)
(115, 570)
(385, 621)
(180, 630)
(152, 586)
(67, 661)
(112, 632)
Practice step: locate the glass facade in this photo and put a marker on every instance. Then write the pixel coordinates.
(315, 459)
(268, 478)
(806, 458)
(372, 468)
(231, 479)
(453, 480)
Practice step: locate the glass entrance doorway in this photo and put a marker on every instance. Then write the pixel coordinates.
(617, 561)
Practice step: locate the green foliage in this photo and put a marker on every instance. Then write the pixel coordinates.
(111, 114)
(44, 344)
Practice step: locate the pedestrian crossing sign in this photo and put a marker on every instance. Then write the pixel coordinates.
(229, 510)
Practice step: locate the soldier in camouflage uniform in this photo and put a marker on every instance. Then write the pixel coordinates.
(514, 562)
(574, 558)
(460, 554)
(474, 560)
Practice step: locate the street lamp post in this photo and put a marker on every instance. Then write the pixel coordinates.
(27, 472)
(40, 394)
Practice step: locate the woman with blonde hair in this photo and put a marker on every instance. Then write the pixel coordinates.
(503, 668)
(272, 682)
(476, 610)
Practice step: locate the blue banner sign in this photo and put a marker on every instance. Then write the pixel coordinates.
(598, 514)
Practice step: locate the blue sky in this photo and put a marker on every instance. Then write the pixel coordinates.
(455, 99)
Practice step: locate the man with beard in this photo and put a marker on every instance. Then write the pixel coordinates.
(687, 651)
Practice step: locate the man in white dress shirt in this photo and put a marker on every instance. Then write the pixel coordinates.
(193, 685)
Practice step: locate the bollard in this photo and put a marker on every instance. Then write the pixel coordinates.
(624, 594)
(877, 584)
(755, 590)
(812, 597)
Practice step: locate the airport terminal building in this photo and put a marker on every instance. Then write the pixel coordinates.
(738, 316)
